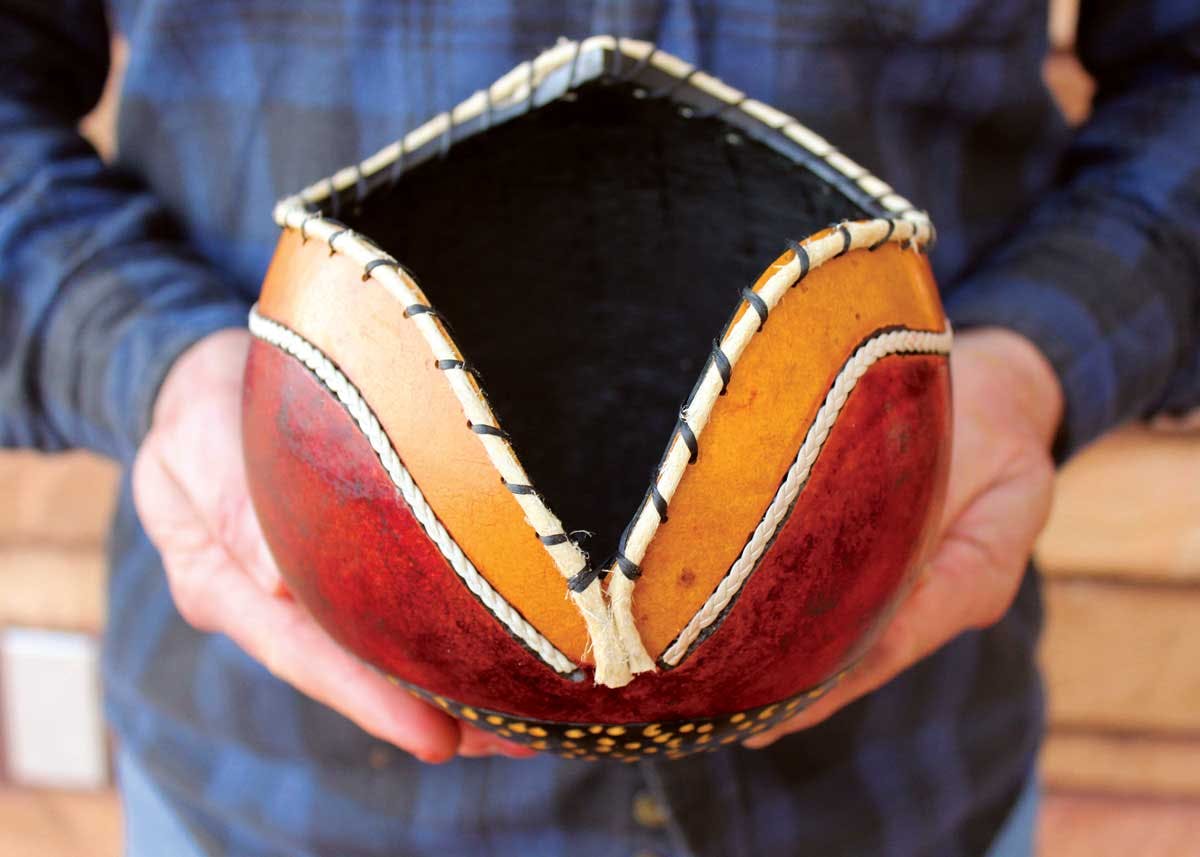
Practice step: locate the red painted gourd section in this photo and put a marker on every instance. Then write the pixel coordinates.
(353, 552)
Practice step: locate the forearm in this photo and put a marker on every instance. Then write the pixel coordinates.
(99, 293)
(1104, 275)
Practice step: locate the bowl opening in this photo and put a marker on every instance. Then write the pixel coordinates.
(586, 255)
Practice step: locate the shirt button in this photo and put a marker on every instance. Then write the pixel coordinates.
(648, 812)
(379, 757)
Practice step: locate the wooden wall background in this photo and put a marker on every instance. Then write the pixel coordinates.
(1121, 560)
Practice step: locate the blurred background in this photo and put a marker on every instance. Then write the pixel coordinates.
(1121, 559)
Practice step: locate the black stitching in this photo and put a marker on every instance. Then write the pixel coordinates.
(360, 184)
(487, 108)
(554, 539)
(660, 503)
(490, 431)
(420, 309)
(304, 226)
(628, 567)
(397, 167)
(641, 65)
(379, 263)
(718, 112)
(334, 202)
(518, 488)
(450, 363)
(722, 363)
(689, 439)
(758, 305)
(334, 237)
(448, 134)
(891, 228)
(675, 87)
(801, 254)
(842, 228)
(574, 64)
(911, 243)
(583, 578)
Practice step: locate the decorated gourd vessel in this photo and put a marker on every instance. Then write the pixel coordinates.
(601, 483)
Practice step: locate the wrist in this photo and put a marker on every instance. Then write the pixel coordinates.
(216, 361)
(1017, 370)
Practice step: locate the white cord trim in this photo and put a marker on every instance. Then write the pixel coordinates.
(616, 643)
(564, 67)
(867, 355)
(297, 346)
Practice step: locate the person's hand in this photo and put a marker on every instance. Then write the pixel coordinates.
(190, 488)
(1007, 406)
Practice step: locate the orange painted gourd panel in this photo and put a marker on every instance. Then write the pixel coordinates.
(362, 328)
(757, 427)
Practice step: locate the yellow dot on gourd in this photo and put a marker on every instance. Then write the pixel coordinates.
(793, 705)
(605, 742)
(815, 692)
(518, 727)
(615, 730)
(538, 745)
(589, 758)
(629, 759)
(470, 713)
(687, 727)
(729, 739)
(768, 712)
(737, 718)
(441, 701)
(663, 738)
(494, 720)
(633, 745)
(650, 751)
(704, 727)
(503, 733)
(574, 733)
(675, 742)
(604, 749)
(595, 730)
(537, 732)
(569, 744)
(652, 730)
(748, 724)
(703, 739)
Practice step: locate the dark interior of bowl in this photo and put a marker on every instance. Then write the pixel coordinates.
(586, 255)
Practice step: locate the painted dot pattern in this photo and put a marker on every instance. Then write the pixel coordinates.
(629, 742)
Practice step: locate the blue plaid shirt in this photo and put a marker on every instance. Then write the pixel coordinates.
(1088, 242)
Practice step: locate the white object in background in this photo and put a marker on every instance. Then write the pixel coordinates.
(51, 711)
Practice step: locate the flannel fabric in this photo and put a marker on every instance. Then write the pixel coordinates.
(1088, 242)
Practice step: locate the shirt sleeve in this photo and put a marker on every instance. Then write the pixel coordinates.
(1104, 274)
(98, 291)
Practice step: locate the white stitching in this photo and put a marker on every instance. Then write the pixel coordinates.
(337, 383)
(892, 342)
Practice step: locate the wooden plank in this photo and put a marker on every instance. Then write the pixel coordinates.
(62, 499)
(1123, 764)
(1128, 507)
(59, 824)
(1122, 657)
(1081, 825)
(49, 587)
